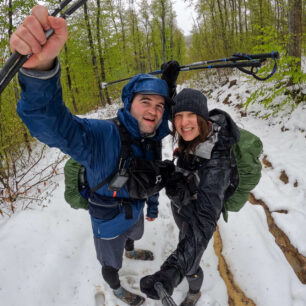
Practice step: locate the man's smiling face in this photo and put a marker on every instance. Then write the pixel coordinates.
(148, 111)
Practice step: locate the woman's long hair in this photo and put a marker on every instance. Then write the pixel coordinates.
(190, 146)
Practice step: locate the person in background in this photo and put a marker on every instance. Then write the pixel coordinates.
(116, 221)
(197, 189)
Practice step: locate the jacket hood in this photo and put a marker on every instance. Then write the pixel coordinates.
(144, 83)
(147, 84)
(229, 133)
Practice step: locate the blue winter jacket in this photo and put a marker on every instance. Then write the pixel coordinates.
(94, 143)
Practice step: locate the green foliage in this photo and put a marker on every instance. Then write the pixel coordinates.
(252, 27)
(288, 79)
(267, 98)
(131, 39)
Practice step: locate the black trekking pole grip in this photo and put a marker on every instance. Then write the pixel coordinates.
(9, 71)
(13, 65)
(165, 298)
(16, 60)
(273, 54)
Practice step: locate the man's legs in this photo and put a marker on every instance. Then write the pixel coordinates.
(111, 276)
(130, 251)
(129, 245)
(109, 253)
(139, 254)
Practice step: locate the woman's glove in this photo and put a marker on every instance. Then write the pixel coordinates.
(170, 72)
(177, 189)
(167, 168)
(169, 278)
(181, 189)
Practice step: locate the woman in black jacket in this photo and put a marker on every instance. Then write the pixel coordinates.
(202, 181)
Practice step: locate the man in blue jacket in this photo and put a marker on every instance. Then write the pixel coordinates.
(96, 144)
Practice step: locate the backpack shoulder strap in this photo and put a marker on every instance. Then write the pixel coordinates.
(144, 144)
(124, 152)
(126, 139)
(157, 146)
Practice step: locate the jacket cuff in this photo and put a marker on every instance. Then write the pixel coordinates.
(38, 88)
(41, 74)
(152, 209)
(173, 274)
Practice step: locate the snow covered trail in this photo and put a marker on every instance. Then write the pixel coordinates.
(47, 255)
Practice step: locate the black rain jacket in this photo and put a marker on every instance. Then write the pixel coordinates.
(199, 217)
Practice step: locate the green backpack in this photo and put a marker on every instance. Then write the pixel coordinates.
(246, 153)
(75, 186)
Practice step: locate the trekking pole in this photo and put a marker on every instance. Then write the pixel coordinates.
(235, 57)
(237, 60)
(165, 298)
(189, 68)
(16, 60)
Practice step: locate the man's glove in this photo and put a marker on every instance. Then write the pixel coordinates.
(168, 278)
(170, 72)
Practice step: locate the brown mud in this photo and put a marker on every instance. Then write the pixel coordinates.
(294, 258)
(236, 297)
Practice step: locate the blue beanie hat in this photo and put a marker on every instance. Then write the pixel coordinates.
(145, 84)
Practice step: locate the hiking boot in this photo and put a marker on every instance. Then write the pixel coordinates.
(191, 299)
(128, 297)
(139, 254)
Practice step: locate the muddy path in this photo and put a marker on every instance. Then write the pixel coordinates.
(235, 295)
(296, 260)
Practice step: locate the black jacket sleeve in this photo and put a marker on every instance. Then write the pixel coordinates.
(201, 215)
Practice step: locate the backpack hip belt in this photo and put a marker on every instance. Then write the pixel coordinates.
(118, 203)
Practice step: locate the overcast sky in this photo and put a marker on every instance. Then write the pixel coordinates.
(185, 16)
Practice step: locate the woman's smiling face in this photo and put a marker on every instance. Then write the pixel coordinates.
(186, 124)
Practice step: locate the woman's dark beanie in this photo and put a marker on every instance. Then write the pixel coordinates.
(190, 100)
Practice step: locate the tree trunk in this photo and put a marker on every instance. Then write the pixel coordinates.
(134, 38)
(246, 17)
(100, 53)
(15, 84)
(171, 32)
(234, 20)
(295, 31)
(163, 29)
(93, 55)
(240, 24)
(155, 51)
(124, 48)
(223, 31)
(112, 9)
(145, 10)
(69, 83)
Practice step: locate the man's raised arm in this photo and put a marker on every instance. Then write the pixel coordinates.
(30, 38)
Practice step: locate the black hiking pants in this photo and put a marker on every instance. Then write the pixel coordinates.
(195, 279)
